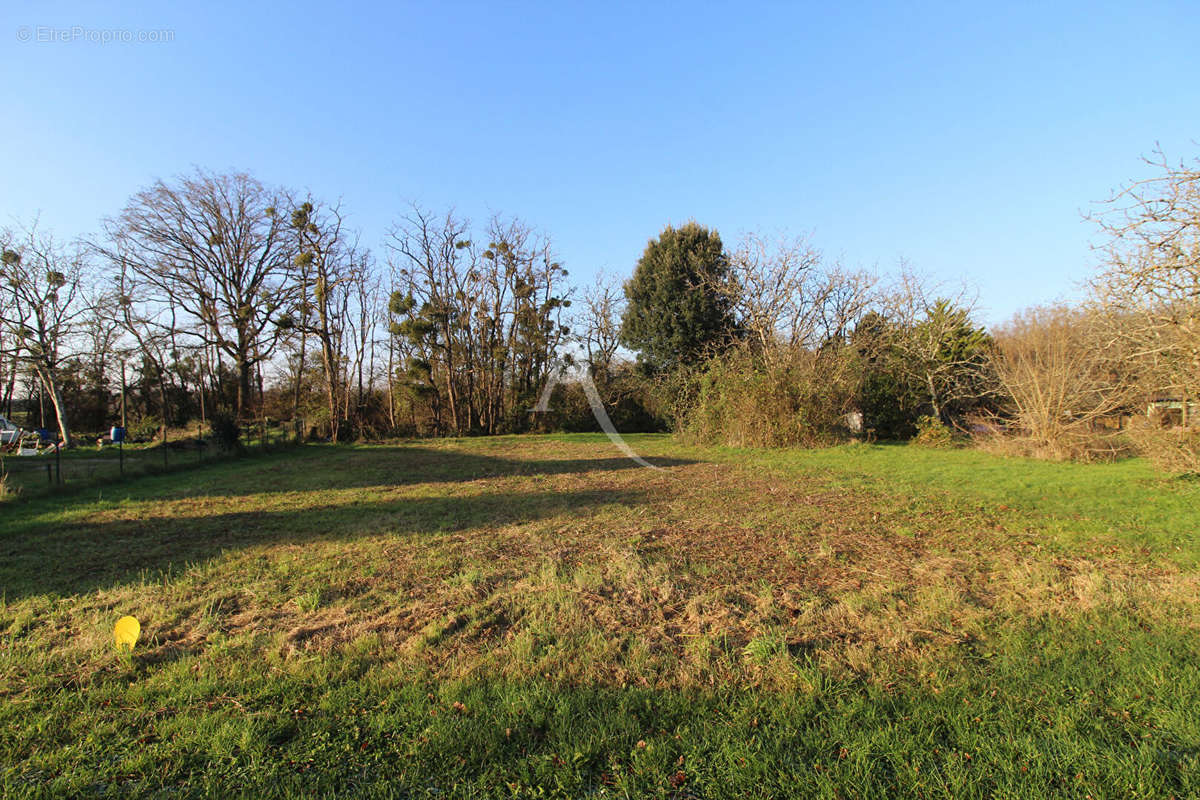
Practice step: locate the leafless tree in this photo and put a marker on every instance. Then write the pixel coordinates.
(152, 326)
(1150, 286)
(1068, 387)
(216, 249)
(599, 324)
(329, 273)
(482, 324)
(42, 285)
(785, 293)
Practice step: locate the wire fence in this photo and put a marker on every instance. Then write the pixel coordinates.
(53, 470)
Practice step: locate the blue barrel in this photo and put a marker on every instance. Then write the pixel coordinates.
(117, 434)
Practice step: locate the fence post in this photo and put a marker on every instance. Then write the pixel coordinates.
(49, 475)
(58, 462)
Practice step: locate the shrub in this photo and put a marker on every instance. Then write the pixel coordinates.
(1066, 384)
(1171, 449)
(145, 429)
(794, 398)
(627, 398)
(887, 404)
(931, 432)
(225, 432)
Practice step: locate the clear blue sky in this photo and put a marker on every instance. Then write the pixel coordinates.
(964, 137)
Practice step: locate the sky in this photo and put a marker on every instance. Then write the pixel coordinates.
(966, 138)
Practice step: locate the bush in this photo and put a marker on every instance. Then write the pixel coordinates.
(887, 405)
(932, 433)
(627, 397)
(1067, 383)
(145, 429)
(794, 398)
(225, 432)
(1171, 449)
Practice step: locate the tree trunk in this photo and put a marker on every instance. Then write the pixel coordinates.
(331, 386)
(64, 429)
(391, 389)
(933, 397)
(11, 388)
(244, 394)
(299, 374)
(162, 401)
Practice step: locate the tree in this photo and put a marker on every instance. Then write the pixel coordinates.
(599, 326)
(216, 248)
(42, 286)
(152, 326)
(786, 298)
(1064, 382)
(935, 349)
(888, 403)
(479, 329)
(1150, 286)
(675, 315)
(327, 269)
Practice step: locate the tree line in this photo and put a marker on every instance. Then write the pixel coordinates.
(214, 298)
(215, 295)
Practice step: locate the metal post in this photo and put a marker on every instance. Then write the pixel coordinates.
(121, 455)
(58, 462)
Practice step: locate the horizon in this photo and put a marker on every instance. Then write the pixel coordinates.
(968, 143)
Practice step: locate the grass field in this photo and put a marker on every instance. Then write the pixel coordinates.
(537, 616)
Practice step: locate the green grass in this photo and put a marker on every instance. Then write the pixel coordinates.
(1126, 501)
(536, 616)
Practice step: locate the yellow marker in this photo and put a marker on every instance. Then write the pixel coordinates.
(126, 632)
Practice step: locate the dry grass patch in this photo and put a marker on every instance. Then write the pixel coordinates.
(547, 558)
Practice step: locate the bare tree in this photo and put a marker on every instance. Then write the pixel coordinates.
(1067, 386)
(482, 326)
(150, 324)
(433, 258)
(599, 324)
(216, 249)
(329, 271)
(101, 337)
(1150, 286)
(43, 301)
(786, 295)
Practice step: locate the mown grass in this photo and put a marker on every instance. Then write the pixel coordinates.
(536, 616)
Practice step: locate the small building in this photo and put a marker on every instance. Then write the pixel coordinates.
(1170, 412)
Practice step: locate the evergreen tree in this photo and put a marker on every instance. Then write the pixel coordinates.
(675, 314)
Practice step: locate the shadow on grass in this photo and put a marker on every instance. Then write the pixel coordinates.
(80, 557)
(47, 556)
(348, 468)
